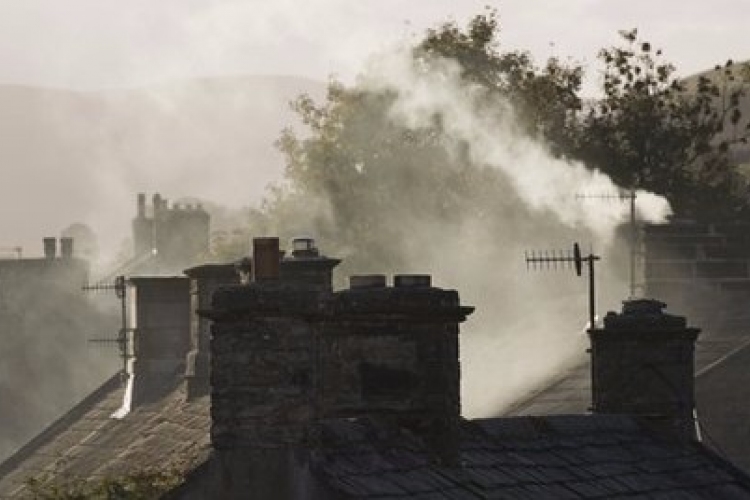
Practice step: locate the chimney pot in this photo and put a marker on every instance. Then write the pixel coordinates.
(266, 258)
(360, 281)
(304, 246)
(50, 247)
(412, 281)
(141, 205)
(66, 247)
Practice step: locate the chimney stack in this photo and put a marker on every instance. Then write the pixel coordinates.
(285, 354)
(204, 281)
(262, 377)
(50, 248)
(392, 353)
(66, 248)
(141, 205)
(161, 334)
(642, 364)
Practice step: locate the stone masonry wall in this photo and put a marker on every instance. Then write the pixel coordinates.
(283, 356)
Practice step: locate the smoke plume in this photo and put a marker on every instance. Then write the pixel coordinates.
(528, 326)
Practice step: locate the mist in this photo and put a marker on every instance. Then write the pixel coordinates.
(81, 157)
(73, 162)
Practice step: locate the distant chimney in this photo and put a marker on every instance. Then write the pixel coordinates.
(157, 203)
(141, 205)
(161, 334)
(266, 259)
(66, 247)
(50, 248)
(642, 364)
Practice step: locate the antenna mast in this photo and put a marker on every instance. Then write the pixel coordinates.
(547, 260)
(120, 287)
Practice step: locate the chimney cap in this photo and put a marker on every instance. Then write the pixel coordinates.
(361, 281)
(304, 246)
(412, 281)
(639, 314)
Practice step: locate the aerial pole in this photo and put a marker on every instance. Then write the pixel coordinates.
(546, 260)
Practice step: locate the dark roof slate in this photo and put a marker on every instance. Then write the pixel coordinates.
(723, 336)
(560, 457)
(170, 435)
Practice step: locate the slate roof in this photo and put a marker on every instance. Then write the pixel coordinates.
(560, 457)
(169, 434)
(724, 334)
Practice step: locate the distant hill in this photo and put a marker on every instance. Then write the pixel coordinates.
(70, 156)
(740, 152)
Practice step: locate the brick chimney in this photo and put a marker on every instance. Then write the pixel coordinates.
(161, 310)
(642, 364)
(392, 353)
(204, 281)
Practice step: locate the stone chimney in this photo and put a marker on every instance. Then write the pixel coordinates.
(262, 383)
(204, 281)
(161, 311)
(392, 353)
(642, 364)
(286, 353)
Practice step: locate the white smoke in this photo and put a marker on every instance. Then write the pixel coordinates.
(527, 327)
(541, 181)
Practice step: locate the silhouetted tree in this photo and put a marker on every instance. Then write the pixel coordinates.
(654, 131)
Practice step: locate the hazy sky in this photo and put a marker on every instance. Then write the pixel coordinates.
(102, 43)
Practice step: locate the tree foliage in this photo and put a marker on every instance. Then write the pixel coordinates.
(346, 180)
(654, 131)
(384, 181)
(147, 484)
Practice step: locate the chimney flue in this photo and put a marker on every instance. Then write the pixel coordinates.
(66, 248)
(50, 248)
(141, 205)
(361, 281)
(266, 259)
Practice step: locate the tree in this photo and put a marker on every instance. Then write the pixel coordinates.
(364, 180)
(654, 131)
